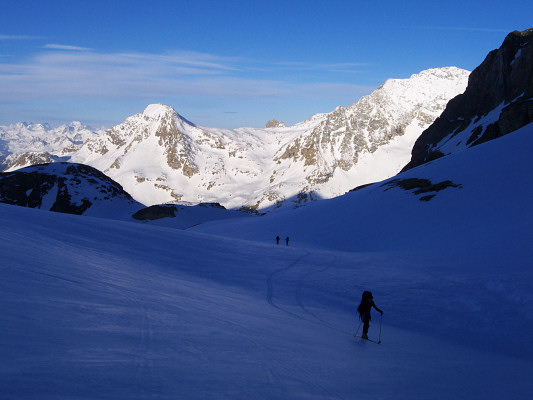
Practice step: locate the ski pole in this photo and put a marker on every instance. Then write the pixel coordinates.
(380, 321)
(357, 331)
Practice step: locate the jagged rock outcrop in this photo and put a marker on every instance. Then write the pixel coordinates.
(497, 101)
(31, 158)
(274, 123)
(157, 211)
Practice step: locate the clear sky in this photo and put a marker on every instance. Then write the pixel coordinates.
(225, 63)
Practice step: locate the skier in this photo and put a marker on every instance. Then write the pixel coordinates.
(277, 239)
(287, 240)
(367, 302)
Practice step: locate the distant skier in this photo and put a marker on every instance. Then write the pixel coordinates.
(277, 239)
(367, 302)
(287, 241)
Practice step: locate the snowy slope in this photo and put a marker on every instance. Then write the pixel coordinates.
(495, 186)
(183, 217)
(483, 226)
(100, 309)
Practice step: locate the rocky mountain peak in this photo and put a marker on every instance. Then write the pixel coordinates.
(274, 123)
(158, 111)
(161, 112)
(396, 107)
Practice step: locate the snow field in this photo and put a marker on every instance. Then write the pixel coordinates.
(102, 309)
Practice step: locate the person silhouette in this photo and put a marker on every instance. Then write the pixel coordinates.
(367, 302)
(287, 241)
(277, 239)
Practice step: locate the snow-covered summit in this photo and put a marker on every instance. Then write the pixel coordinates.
(158, 111)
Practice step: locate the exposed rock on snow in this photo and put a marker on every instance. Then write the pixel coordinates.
(273, 123)
(421, 186)
(66, 188)
(156, 212)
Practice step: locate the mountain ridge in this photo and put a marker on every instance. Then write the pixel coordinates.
(158, 156)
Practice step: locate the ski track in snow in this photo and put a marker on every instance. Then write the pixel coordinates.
(297, 293)
(299, 297)
(270, 284)
(145, 379)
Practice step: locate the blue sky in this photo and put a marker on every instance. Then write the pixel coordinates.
(229, 63)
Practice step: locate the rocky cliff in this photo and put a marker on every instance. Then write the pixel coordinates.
(497, 101)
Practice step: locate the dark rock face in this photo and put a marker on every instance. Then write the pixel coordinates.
(421, 186)
(155, 212)
(159, 211)
(61, 187)
(504, 80)
(212, 205)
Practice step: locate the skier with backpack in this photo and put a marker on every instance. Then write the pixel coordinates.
(367, 302)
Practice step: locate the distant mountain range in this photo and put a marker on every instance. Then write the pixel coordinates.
(159, 157)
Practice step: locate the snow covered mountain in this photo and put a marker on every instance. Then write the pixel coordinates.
(367, 141)
(24, 144)
(159, 157)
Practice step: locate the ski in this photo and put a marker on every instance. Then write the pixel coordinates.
(370, 340)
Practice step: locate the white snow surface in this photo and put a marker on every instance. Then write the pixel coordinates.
(99, 309)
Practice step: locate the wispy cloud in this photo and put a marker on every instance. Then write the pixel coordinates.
(84, 73)
(325, 67)
(54, 46)
(18, 37)
(459, 28)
